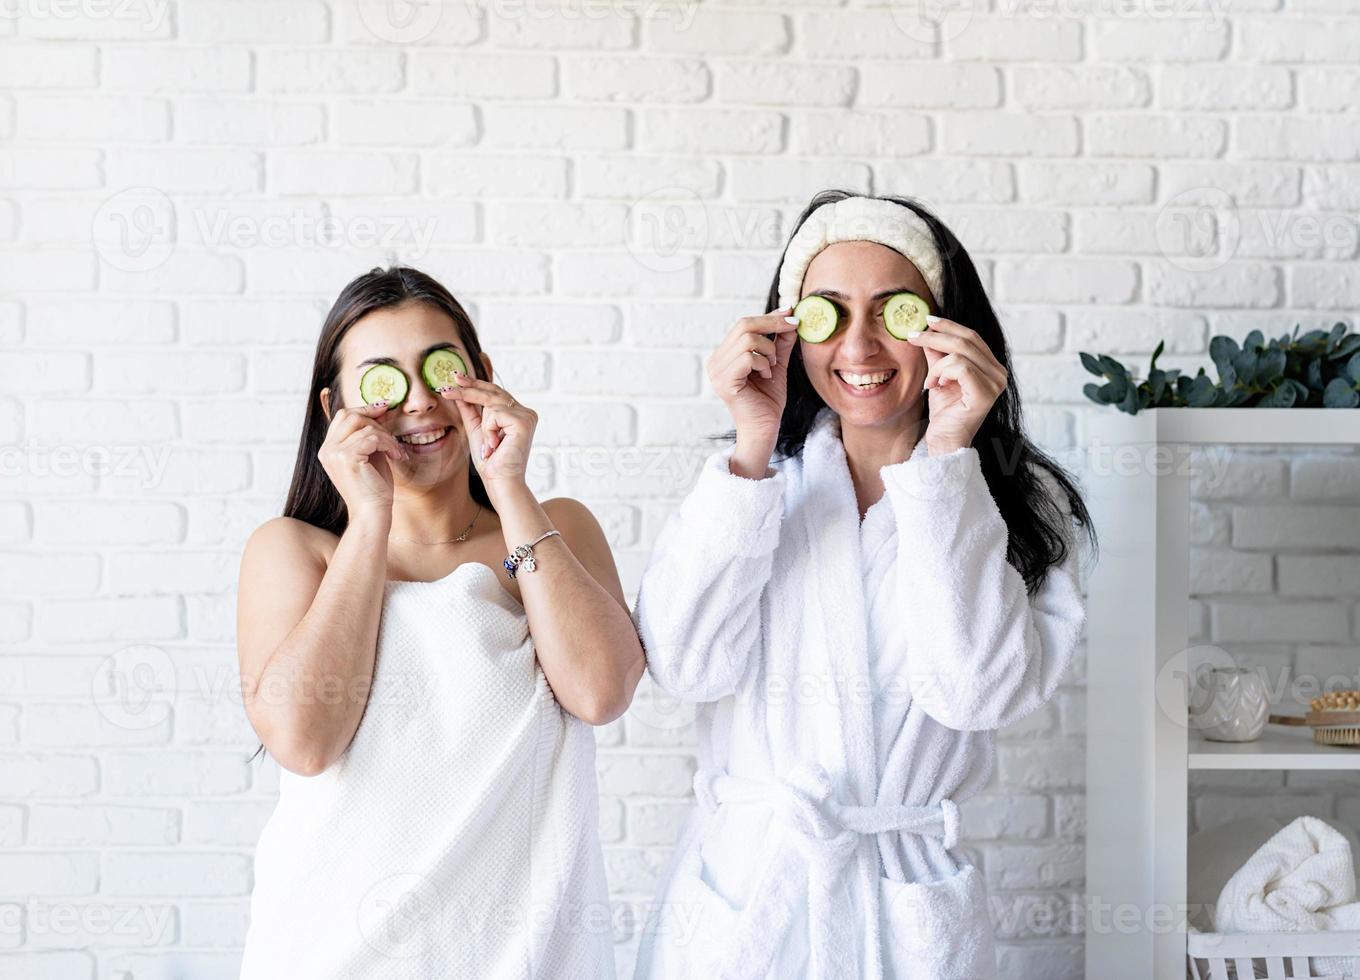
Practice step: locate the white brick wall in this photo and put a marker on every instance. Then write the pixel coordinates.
(184, 187)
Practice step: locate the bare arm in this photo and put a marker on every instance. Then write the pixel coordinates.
(583, 634)
(307, 638)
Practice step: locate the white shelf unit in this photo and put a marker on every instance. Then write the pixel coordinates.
(1139, 747)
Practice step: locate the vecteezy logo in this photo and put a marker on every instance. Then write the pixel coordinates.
(932, 21)
(134, 687)
(134, 230)
(667, 229)
(400, 21)
(396, 914)
(1199, 230)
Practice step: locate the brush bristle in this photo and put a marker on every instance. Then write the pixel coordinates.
(1340, 735)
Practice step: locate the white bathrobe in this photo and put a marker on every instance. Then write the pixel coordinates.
(848, 679)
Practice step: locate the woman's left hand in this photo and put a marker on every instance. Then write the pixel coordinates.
(963, 381)
(499, 429)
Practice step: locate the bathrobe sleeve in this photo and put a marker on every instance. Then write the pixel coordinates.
(980, 653)
(698, 602)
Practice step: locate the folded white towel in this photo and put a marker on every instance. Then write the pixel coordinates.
(1301, 880)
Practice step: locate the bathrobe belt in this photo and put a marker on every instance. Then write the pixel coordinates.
(827, 835)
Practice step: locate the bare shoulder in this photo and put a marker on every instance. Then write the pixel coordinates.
(287, 539)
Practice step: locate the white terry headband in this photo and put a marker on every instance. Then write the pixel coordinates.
(860, 219)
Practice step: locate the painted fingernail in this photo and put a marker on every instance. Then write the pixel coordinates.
(913, 334)
(931, 318)
(791, 319)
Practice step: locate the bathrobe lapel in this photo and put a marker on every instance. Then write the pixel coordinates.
(835, 606)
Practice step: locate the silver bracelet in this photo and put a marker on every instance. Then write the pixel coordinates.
(523, 556)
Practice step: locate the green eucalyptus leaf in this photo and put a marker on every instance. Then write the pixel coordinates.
(1253, 340)
(1339, 393)
(1091, 364)
(1202, 392)
(1092, 391)
(1352, 368)
(1270, 366)
(1161, 344)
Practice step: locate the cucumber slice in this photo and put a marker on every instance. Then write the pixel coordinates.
(439, 367)
(383, 383)
(905, 313)
(816, 318)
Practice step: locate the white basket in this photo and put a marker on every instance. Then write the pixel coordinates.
(1273, 955)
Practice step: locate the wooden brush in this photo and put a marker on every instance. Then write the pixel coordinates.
(1334, 718)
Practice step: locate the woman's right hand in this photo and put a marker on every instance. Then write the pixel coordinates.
(356, 455)
(749, 372)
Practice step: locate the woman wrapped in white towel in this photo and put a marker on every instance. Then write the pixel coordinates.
(428, 696)
(876, 575)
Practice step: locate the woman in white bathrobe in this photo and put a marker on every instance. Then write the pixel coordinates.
(854, 617)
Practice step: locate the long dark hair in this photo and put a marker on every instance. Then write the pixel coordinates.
(1009, 460)
(312, 496)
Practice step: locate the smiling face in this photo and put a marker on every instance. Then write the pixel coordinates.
(427, 424)
(867, 376)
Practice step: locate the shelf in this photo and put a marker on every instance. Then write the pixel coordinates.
(1241, 426)
(1279, 747)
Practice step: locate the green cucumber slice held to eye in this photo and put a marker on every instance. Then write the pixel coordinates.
(383, 383)
(816, 318)
(905, 313)
(439, 367)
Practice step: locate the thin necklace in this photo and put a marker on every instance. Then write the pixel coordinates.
(461, 537)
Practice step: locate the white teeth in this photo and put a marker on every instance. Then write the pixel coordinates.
(865, 380)
(424, 438)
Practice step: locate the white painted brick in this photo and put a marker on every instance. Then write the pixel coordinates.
(1274, 39)
(620, 79)
(632, 177)
(95, 322)
(173, 773)
(224, 171)
(1156, 136)
(1329, 89)
(656, 822)
(1325, 478)
(351, 172)
(480, 76)
(514, 322)
(135, 620)
(710, 130)
(1011, 135)
(48, 66)
(1222, 572)
(1051, 765)
(987, 231)
(127, 21)
(1034, 866)
(1019, 38)
(961, 180)
(929, 86)
(1032, 330)
(556, 225)
(249, 122)
(1224, 87)
(394, 122)
(1080, 87)
(96, 826)
(1330, 286)
(821, 133)
(868, 33)
(1051, 961)
(144, 373)
(1011, 816)
(16, 622)
(1294, 527)
(1153, 41)
(653, 775)
(225, 21)
(1248, 184)
(180, 873)
(329, 72)
(378, 22)
(529, 25)
(1239, 284)
(101, 522)
(517, 175)
(1242, 475)
(1066, 280)
(46, 271)
(1287, 622)
(211, 68)
(606, 274)
(1296, 137)
(634, 372)
(82, 725)
(540, 127)
(1074, 183)
(1319, 575)
(764, 179)
(775, 83)
(1121, 331)
(718, 32)
(42, 873)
